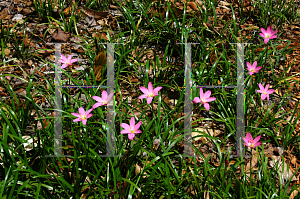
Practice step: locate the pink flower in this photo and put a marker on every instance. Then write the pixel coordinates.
(268, 34)
(102, 101)
(67, 61)
(252, 69)
(204, 98)
(149, 93)
(264, 91)
(132, 129)
(82, 116)
(250, 142)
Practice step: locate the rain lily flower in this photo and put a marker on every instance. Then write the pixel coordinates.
(82, 116)
(250, 142)
(132, 129)
(264, 91)
(268, 34)
(149, 93)
(252, 69)
(204, 99)
(102, 101)
(67, 61)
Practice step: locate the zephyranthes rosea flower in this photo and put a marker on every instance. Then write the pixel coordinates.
(82, 116)
(67, 61)
(264, 91)
(250, 142)
(204, 98)
(132, 129)
(268, 34)
(253, 69)
(149, 93)
(102, 101)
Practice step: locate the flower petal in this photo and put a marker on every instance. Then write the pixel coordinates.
(63, 57)
(138, 131)
(261, 87)
(201, 93)
(132, 122)
(97, 105)
(125, 126)
(84, 122)
(137, 126)
(149, 100)
(69, 58)
(256, 139)
(143, 96)
(210, 99)
(144, 90)
(207, 94)
(77, 120)
(76, 114)
(263, 96)
(131, 136)
(257, 144)
(81, 111)
(263, 31)
(73, 60)
(150, 87)
(109, 97)
(157, 89)
(104, 94)
(261, 34)
(196, 100)
(254, 64)
(249, 65)
(206, 106)
(258, 68)
(266, 40)
(98, 99)
(125, 131)
(249, 137)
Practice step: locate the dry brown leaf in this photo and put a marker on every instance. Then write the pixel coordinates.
(99, 63)
(61, 36)
(90, 12)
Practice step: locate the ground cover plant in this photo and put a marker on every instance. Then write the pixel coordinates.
(148, 99)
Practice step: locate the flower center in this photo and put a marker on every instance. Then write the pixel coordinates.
(203, 99)
(104, 102)
(150, 94)
(251, 143)
(83, 117)
(252, 70)
(132, 130)
(268, 35)
(265, 92)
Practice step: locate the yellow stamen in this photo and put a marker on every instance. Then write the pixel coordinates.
(132, 130)
(150, 94)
